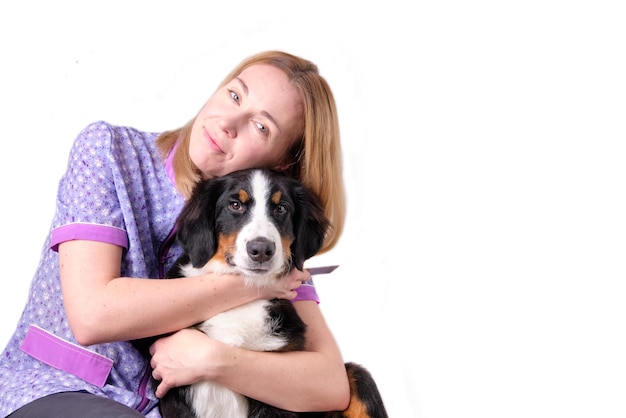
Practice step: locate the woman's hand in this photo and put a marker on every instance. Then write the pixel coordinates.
(183, 358)
(189, 356)
(285, 288)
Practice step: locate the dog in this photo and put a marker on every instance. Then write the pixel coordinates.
(258, 223)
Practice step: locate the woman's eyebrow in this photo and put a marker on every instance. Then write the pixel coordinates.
(244, 87)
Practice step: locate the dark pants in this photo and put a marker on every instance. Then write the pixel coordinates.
(74, 405)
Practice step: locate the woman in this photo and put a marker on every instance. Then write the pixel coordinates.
(116, 208)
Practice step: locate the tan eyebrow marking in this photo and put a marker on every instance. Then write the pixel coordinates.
(243, 196)
(276, 197)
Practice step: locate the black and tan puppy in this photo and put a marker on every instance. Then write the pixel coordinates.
(259, 224)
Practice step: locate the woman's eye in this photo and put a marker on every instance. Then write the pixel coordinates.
(234, 96)
(261, 128)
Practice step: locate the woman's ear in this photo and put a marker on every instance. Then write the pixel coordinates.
(282, 167)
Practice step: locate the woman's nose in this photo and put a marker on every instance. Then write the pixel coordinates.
(228, 126)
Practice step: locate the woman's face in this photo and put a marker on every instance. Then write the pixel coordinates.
(250, 122)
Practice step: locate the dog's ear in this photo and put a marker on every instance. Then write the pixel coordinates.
(196, 222)
(310, 226)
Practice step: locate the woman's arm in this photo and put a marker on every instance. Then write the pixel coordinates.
(310, 380)
(103, 307)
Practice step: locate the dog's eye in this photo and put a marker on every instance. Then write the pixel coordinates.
(236, 205)
(281, 209)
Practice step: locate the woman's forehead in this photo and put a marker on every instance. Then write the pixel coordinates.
(270, 89)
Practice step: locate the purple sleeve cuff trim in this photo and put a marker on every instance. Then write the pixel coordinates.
(92, 232)
(60, 354)
(307, 292)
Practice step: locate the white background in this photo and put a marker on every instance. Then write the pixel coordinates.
(482, 268)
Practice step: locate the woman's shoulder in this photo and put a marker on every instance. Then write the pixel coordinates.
(102, 127)
(105, 135)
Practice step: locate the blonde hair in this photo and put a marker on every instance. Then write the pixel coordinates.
(315, 159)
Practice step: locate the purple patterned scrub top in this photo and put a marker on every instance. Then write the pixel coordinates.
(117, 189)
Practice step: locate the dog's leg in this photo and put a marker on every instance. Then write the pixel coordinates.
(174, 404)
(365, 398)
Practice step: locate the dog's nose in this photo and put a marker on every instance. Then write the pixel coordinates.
(260, 249)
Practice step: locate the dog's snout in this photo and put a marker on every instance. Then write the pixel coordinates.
(261, 249)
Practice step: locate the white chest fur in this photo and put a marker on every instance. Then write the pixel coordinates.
(246, 326)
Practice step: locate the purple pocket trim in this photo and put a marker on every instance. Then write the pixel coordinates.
(60, 354)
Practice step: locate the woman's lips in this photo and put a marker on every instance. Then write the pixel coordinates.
(212, 144)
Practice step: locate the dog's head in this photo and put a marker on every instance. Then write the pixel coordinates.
(253, 222)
